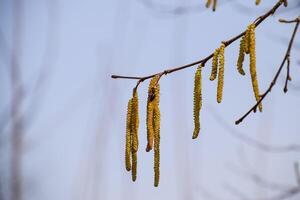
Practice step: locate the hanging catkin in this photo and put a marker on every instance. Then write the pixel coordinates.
(156, 128)
(247, 41)
(197, 101)
(128, 137)
(135, 121)
(214, 68)
(241, 57)
(257, 2)
(215, 5)
(151, 96)
(253, 64)
(208, 3)
(134, 166)
(221, 73)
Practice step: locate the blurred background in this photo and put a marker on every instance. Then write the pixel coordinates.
(62, 117)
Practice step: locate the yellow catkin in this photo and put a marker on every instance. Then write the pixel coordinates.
(156, 128)
(253, 65)
(257, 2)
(135, 121)
(128, 137)
(208, 3)
(241, 57)
(215, 5)
(197, 101)
(221, 73)
(134, 166)
(247, 41)
(151, 96)
(214, 68)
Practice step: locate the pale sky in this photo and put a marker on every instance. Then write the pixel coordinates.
(74, 139)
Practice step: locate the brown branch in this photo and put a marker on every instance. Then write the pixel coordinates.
(257, 22)
(285, 59)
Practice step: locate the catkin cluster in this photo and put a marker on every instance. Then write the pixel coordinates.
(197, 100)
(153, 129)
(153, 125)
(132, 142)
(214, 7)
(218, 63)
(247, 46)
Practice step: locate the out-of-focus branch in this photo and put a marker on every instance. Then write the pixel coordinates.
(167, 10)
(284, 193)
(250, 141)
(285, 59)
(17, 95)
(297, 172)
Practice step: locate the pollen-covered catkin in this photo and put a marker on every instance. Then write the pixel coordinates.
(257, 2)
(253, 65)
(197, 101)
(247, 40)
(241, 57)
(156, 127)
(214, 68)
(135, 121)
(151, 97)
(208, 3)
(134, 166)
(215, 5)
(128, 137)
(221, 73)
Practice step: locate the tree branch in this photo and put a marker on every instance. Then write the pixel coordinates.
(257, 22)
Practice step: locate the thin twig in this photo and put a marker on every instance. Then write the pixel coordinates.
(286, 58)
(257, 22)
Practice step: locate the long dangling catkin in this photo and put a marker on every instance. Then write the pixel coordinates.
(257, 2)
(247, 40)
(215, 5)
(128, 137)
(253, 65)
(197, 101)
(208, 3)
(214, 68)
(221, 73)
(134, 166)
(241, 57)
(135, 121)
(156, 127)
(151, 96)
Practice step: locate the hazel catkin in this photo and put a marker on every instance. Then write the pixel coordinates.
(135, 121)
(257, 2)
(197, 101)
(253, 65)
(215, 5)
(128, 137)
(156, 128)
(241, 57)
(151, 97)
(247, 41)
(221, 73)
(208, 3)
(214, 67)
(134, 166)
